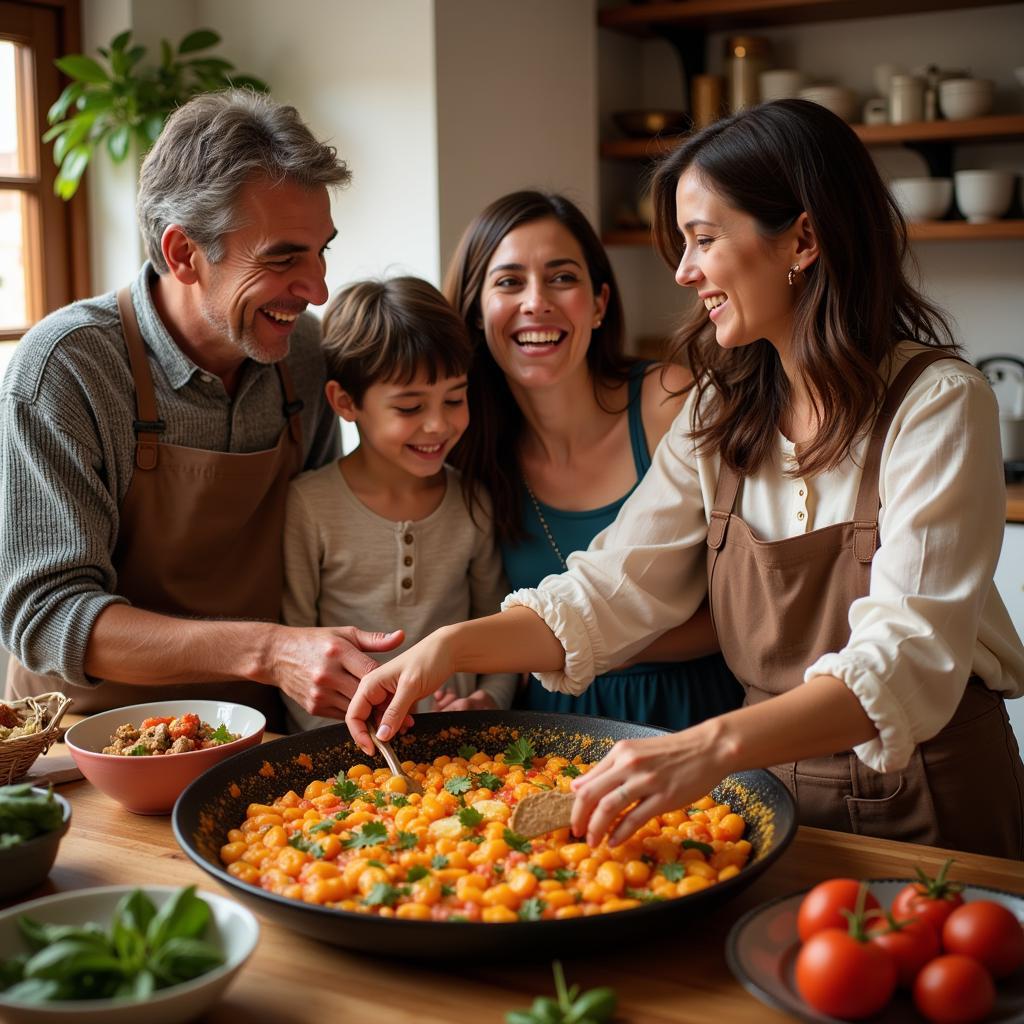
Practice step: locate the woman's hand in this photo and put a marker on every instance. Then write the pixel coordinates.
(478, 700)
(396, 686)
(657, 775)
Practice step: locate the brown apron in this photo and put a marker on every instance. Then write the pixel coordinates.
(199, 536)
(780, 605)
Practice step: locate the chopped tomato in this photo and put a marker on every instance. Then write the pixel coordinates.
(187, 725)
(150, 722)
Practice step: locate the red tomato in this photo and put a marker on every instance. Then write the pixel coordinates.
(930, 899)
(954, 990)
(911, 944)
(988, 932)
(823, 906)
(843, 977)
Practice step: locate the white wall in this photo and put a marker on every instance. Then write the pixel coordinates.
(516, 104)
(979, 283)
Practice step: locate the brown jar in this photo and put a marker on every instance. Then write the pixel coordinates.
(745, 58)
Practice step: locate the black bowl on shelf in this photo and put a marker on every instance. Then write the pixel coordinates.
(217, 800)
(643, 124)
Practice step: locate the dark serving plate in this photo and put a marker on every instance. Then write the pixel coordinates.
(216, 802)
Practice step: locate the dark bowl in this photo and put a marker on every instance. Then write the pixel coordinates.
(217, 800)
(26, 865)
(643, 124)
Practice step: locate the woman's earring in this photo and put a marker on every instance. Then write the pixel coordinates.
(793, 271)
(597, 323)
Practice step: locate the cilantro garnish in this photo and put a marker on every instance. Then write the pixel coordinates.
(470, 817)
(375, 864)
(486, 780)
(475, 839)
(139, 750)
(416, 872)
(222, 735)
(498, 869)
(406, 840)
(372, 833)
(458, 917)
(399, 799)
(693, 844)
(440, 861)
(466, 751)
(347, 789)
(384, 894)
(321, 826)
(673, 872)
(300, 842)
(571, 771)
(376, 797)
(520, 752)
(447, 890)
(458, 784)
(342, 814)
(532, 909)
(516, 841)
(537, 871)
(564, 874)
(644, 895)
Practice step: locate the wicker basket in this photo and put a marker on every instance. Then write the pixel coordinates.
(18, 755)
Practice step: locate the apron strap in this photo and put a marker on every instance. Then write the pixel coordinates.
(865, 516)
(148, 426)
(292, 406)
(725, 500)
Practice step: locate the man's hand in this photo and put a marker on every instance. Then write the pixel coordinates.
(320, 667)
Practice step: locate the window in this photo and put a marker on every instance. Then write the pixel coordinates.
(43, 259)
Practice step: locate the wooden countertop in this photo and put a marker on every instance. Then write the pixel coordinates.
(677, 978)
(1015, 503)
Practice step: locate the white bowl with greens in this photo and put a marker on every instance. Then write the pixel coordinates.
(120, 954)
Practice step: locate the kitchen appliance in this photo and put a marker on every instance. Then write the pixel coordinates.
(217, 801)
(1006, 375)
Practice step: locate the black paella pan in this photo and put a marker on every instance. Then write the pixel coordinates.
(217, 801)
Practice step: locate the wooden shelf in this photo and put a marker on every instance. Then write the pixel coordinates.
(992, 128)
(712, 15)
(930, 231)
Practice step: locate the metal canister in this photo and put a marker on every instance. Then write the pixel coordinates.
(706, 99)
(745, 58)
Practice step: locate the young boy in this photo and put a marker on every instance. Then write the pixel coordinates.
(383, 538)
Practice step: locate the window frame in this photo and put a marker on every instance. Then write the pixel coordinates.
(48, 28)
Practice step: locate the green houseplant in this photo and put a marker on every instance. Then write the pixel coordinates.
(126, 101)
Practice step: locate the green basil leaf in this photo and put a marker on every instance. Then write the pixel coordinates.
(34, 990)
(38, 935)
(183, 916)
(62, 960)
(136, 910)
(181, 959)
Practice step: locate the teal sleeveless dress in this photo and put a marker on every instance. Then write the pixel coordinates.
(673, 695)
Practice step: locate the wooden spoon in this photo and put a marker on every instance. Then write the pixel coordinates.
(412, 786)
(539, 813)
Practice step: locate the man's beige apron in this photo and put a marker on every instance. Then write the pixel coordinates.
(200, 536)
(779, 605)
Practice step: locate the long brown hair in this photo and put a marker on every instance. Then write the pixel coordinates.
(774, 162)
(487, 454)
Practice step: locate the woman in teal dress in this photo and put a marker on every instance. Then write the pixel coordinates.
(562, 427)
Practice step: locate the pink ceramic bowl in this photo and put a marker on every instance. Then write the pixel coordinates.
(150, 785)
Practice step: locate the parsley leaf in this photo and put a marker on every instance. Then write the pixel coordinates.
(475, 839)
(384, 894)
(406, 840)
(372, 833)
(416, 872)
(498, 869)
(470, 817)
(564, 874)
(466, 751)
(376, 797)
(447, 890)
(531, 909)
(644, 895)
(516, 841)
(537, 871)
(139, 750)
(300, 842)
(342, 814)
(222, 735)
(693, 844)
(485, 780)
(520, 752)
(375, 864)
(458, 784)
(673, 872)
(571, 771)
(347, 789)
(399, 799)
(321, 826)
(440, 861)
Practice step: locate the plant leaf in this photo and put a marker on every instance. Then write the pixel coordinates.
(201, 39)
(82, 68)
(64, 100)
(248, 82)
(117, 143)
(183, 916)
(182, 959)
(136, 910)
(153, 126)
(119, 42)
(71, 171)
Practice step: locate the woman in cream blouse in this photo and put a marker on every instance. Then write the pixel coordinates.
(833, 484)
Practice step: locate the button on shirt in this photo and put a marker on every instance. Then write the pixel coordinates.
(932, 617)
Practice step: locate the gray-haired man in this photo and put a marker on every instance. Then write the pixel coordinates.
(147, 438)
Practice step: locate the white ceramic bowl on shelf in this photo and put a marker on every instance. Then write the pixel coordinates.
(780, 84)
(837, 98)
(983, 196)
(922, 198)
(963, 98)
